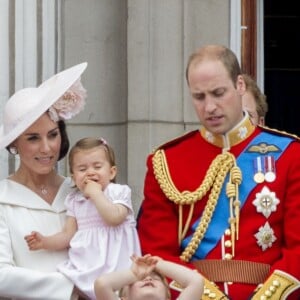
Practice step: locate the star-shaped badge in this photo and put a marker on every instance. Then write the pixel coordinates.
(266, 202)
(265, 236)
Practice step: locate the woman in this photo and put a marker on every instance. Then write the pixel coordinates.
(33, 197)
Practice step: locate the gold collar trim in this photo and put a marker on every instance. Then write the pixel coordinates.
(239, 133)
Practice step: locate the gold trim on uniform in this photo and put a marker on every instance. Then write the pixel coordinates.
(211, 290)
(242, 131)
(278, 286)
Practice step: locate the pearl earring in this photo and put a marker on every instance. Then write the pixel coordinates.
(13, 150)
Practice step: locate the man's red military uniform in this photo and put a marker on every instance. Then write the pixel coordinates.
(229, 205)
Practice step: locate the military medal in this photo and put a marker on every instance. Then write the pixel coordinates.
(259, 176)
(265, 237)
(270, 175)
(266, 202)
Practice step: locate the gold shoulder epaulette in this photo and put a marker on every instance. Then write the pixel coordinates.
(279, 132)
(176, 140)
(278, 286)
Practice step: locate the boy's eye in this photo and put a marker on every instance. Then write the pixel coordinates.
(156, 277)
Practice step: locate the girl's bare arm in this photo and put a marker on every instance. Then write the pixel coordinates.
(58, 241)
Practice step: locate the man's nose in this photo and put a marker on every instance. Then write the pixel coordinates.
(210, 104)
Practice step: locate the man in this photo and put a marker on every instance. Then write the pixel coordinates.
(225, 198)
(254, 101)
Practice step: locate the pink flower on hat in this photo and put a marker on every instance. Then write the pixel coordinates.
(70, 103)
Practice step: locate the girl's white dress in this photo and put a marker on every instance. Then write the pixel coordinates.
(97, 248)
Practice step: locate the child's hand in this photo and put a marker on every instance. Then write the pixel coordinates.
(143, 266)
(91, 189)
(34, 240)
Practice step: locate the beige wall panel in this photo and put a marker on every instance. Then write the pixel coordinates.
(155, 60)
(95, 31)
(205, 22)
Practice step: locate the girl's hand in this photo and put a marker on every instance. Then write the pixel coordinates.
(91, 189)
(34, 240)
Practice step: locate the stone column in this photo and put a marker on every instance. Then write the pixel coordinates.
(161, 36)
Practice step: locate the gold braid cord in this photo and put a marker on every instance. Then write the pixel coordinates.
(213, 182)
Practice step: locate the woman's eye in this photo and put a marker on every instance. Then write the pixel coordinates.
(32, 138)
(54, 134)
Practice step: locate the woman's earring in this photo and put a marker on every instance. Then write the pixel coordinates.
(13, 150)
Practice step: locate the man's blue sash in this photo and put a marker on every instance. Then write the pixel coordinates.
(219, 221)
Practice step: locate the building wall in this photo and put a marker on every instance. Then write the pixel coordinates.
(161, 36)
(136, 52)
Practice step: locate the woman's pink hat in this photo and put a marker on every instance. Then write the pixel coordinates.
(62, 94)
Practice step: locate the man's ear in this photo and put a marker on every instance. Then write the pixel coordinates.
(241, 85)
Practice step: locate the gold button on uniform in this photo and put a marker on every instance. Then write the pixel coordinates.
(228, 244)
(227, 232)
(228, 256)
